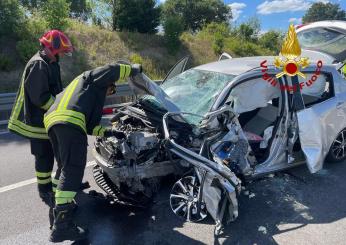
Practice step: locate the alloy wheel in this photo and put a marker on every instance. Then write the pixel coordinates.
(184, 200)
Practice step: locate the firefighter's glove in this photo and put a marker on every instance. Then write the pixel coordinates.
(136, 69)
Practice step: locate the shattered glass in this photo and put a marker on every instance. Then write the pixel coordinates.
(195, 91)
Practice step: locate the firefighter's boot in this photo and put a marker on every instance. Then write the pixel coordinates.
(64, 227)
(48, 198)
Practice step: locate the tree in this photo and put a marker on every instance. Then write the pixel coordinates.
(324, 11)
(11, 16)
(218, 32)
(173, 27)
(135, 15)
(271, 40)
(32, 4)
(249, 30)
(56, 13)
(78, 8)
(196, 14)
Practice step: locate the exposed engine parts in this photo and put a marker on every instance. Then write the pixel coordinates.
(135, 164)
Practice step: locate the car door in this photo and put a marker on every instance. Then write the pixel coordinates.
(320, 118)
(178, 68)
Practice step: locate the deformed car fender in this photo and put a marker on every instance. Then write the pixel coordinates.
(220, 187)
(319, 125)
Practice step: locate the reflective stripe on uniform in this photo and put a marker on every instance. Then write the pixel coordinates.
(66, 97)
(19, 103)
(62, 114)
(128, 71)
(70, 116)
(43, 174)
(44, 181)
(48, 104)
(26, 130)
(18, 126)
(63, 197)
(125, 71)
(99, 131)
(43, 177)
(28, 127)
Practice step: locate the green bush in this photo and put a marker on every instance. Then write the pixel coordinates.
(29, 34)
(6, 63)
(218, 44)
(11, 16)
(271, 40)
(26, 49)
(149, 67)
(56, 14)
(214, 28)
(173, 27)
(245, 48)
(136, 59)
(217, 33)
(33, 28)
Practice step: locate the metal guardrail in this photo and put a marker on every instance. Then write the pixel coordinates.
(6, 101)
(123, 94)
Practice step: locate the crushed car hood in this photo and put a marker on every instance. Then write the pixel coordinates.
(143, 85)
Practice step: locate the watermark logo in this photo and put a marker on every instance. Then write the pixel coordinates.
(290, 62)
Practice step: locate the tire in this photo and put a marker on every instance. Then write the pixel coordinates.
(337, 151)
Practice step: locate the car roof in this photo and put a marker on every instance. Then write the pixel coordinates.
(237, 66)
(326, 23)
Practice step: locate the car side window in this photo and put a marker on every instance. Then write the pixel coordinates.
(252, 94)
(318, 91)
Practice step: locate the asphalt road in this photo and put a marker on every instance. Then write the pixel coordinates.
(289, 208)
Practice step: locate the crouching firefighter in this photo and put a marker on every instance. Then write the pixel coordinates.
(40, 83)
(75, 114)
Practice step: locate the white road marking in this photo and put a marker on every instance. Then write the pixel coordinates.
(31, 181)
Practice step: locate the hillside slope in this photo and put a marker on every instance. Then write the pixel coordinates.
(95, 47)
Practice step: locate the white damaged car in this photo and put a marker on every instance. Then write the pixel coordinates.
(217, 125)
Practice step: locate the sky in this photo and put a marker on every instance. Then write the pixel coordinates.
(273, 14)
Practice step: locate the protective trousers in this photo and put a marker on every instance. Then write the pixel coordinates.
(70, 149)
(44, 162)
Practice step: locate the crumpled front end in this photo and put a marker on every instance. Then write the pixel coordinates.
(219, 185)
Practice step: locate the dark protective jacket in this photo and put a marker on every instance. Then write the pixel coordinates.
(81, 103)
(40, 83)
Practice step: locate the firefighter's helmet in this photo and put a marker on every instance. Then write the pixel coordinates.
(57, 42)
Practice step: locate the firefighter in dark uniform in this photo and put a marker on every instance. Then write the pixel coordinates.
(40, 83)
(75, 114)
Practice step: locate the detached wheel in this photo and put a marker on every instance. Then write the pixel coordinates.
(337, 152)
(184, 200)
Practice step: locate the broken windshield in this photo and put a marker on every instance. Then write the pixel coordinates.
(195, 91)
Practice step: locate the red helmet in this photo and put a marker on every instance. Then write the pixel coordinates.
(57, 42)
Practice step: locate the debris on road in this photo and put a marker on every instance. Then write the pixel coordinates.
(252, 195)
(262, 229)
